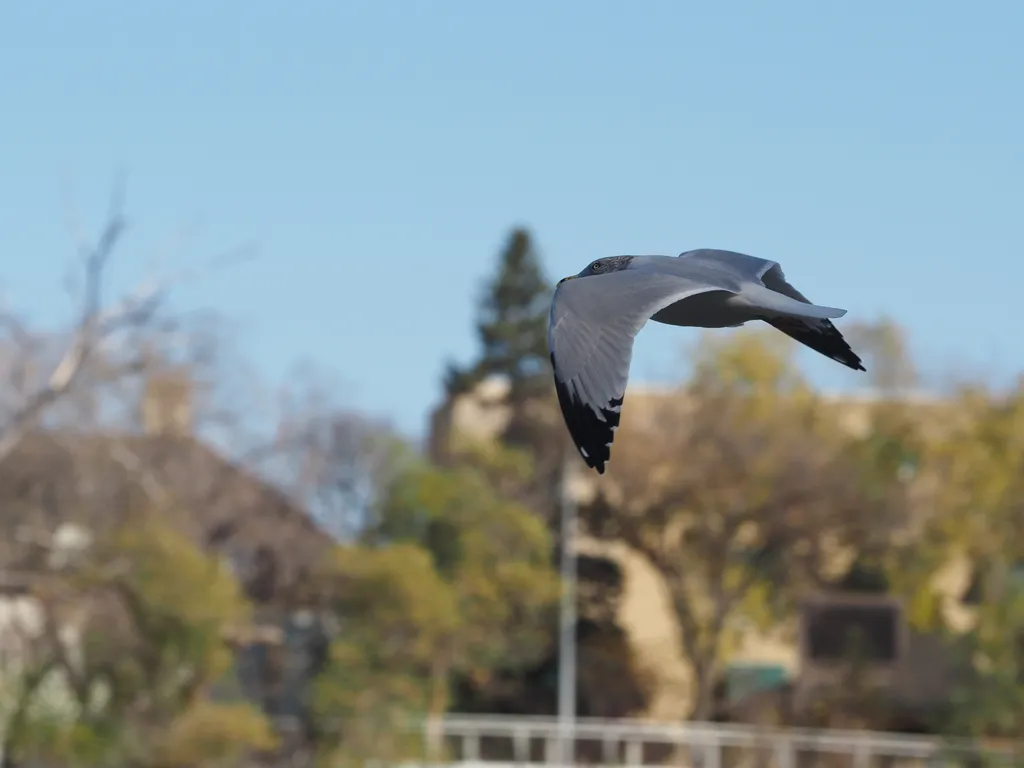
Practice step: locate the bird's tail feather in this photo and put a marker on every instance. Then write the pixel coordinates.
(778, 304)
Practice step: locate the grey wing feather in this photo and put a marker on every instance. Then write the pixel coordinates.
(747, 267)
(739, 265)
(774, 279)
(593, 323)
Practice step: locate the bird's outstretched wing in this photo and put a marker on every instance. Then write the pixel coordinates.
(739, 265)
(592, 326)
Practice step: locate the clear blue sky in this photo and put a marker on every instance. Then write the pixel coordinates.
(379, 152)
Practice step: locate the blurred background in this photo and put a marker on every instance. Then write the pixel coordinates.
(283, 480)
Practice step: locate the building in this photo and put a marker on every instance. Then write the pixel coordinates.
(781, 659)
(60, 488)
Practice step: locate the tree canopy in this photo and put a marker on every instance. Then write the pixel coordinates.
(511, 323)
(449, 581)
(152, 619)
(746, 488)
(740, 491)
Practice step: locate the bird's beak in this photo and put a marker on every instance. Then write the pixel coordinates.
(570, 277)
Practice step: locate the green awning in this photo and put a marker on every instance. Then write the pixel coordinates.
(742, 680)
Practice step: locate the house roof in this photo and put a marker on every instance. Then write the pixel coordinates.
(53, 478)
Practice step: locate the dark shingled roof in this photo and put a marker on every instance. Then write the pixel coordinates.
(54, 478)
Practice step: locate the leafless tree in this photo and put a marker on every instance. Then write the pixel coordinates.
(331, 458)
(111, 339)
(77, 446)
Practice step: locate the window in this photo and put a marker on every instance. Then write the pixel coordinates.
(838, 632)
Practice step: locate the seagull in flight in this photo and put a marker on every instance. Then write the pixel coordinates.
(596, 314)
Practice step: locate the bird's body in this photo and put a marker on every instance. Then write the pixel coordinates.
(596, 314)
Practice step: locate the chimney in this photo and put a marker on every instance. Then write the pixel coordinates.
(167, 404)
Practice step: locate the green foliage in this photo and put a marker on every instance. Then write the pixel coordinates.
(980, 515)
(211, 734)
(511, 326)
(396, 611)
(135, 686)
(739, 492)
(958, 467)
(512, 321)
(493, 553)
(407, 606)
(990, 701)
(526, 460)
(748, 362)
(451, 579)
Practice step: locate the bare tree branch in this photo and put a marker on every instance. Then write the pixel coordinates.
(97, 326)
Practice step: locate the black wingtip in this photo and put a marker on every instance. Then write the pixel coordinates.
(821, 336)
(850, 360)
(592, 431)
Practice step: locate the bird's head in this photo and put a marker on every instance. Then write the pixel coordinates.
(601, 267)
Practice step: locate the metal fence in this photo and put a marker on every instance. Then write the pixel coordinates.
(491, 740)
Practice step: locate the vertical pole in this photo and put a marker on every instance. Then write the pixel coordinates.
(567, 634)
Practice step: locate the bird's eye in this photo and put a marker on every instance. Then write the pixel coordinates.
(598, 266)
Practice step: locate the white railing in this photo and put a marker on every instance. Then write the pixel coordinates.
(494, 740)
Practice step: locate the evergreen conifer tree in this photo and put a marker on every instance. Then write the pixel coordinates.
(512, 325)
(512, 328)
